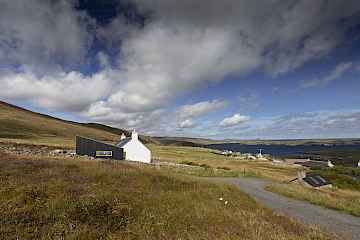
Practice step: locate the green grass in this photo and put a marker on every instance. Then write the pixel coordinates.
(12, 135)
(204, 170)
(346, 201)
(212, 172)
(341, 177)
(197, 156)
(57, 198)
(346, 156)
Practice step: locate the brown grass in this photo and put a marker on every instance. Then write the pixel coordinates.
(21, 126)
(206, 156)
(344, 200)
(78, 199)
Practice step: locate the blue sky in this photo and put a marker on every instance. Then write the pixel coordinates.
(225, 69)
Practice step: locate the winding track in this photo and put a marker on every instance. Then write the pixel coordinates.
(339, 223)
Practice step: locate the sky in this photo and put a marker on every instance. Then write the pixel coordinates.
(231, 69)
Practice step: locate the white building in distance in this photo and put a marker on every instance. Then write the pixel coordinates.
(134, 149)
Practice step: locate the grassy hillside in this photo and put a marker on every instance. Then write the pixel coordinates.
(185, 141)
(174, 141)
(295, 142)
(118, 131)
(23, 126)
(204, 156)
(20, 125)
(63, 198)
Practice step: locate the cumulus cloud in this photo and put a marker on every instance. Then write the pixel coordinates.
(42, 46)
(59, 91)
(236, 119)
(200, 108)
(280, 35)
(43, 35)
(182, 45)
(335, 74)
(181, 48)
(188, 123)
(320, 124)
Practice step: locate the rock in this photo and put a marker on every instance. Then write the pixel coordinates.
(58, 151)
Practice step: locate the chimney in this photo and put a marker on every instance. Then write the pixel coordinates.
(122, 136)
(134, 135)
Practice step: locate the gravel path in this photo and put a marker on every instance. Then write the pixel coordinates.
(342, 224)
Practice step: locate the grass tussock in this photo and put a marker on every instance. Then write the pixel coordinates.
(344, 200)
(63, 198)
(204, 170)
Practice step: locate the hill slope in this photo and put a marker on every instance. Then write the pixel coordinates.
(118, 131)
(45, 198)
(24, 126)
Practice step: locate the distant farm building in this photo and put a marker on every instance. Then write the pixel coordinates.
(134, 149)
(313, 180)
(130, 149)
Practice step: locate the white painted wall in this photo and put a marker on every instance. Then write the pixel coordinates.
(134, 149)
(137, 151)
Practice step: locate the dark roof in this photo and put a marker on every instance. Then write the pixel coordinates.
(315, 180)
(123, 142)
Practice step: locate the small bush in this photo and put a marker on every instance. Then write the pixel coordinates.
(204, 166)
(224, 168)
(189, 163)
(195, 164)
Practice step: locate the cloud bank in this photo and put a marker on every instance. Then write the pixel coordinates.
(320, 124)
(47, 53)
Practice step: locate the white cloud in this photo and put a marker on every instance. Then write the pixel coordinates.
(335, 74)
(236, 119)
(188, 123)
(182, 46)
(200, 109)
(280, 35)
(179, 48)
(43, 35)
(319, 124)
(60, 91)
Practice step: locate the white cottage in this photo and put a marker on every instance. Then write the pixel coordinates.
(134, 149)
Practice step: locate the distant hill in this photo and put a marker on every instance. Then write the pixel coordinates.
(176, 142)
(187, 141)
(203, 142)
(24, 126)
(118, 131)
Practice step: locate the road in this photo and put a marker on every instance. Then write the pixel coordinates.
(339, 223)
